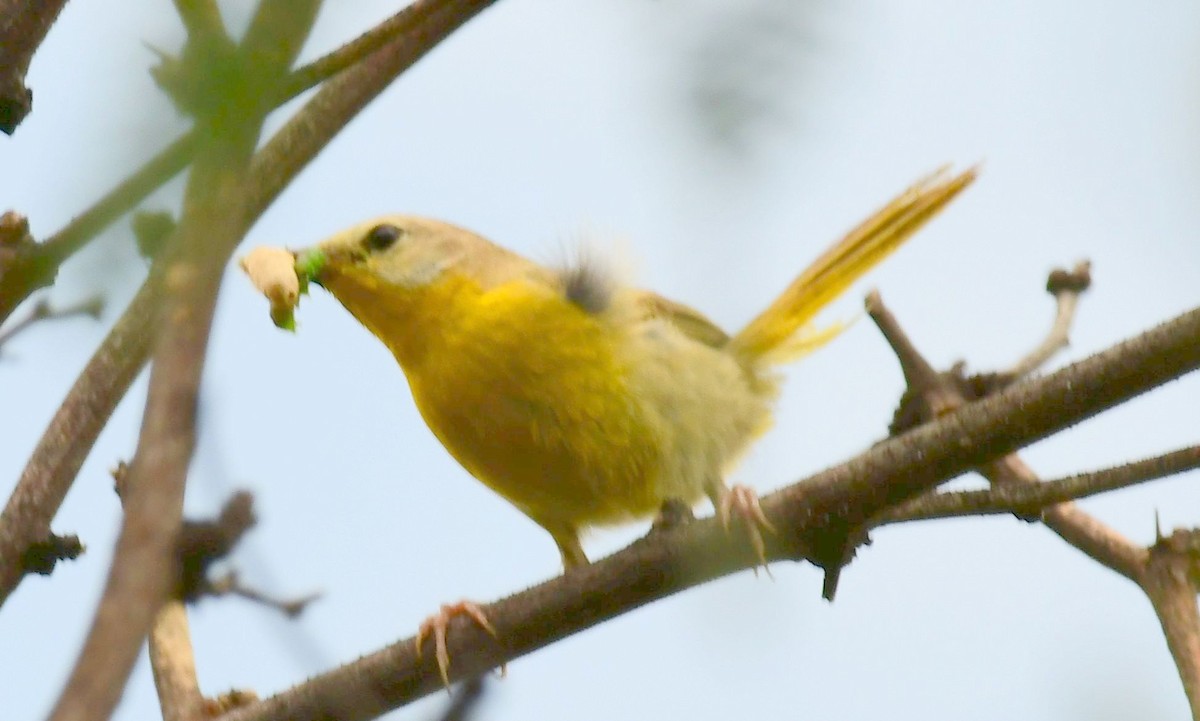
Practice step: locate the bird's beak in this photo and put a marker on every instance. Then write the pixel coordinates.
(329, 260)
(312, 264)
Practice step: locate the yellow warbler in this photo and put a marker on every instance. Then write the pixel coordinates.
(578, 399)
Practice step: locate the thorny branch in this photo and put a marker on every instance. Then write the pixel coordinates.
(667, 562)
(1170, 579)
(1165, 571)
(1028, 500)
(92, 308)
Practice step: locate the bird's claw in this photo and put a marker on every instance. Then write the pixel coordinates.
(742, 501)
(436, 626)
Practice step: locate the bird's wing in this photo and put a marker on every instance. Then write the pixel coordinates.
(688, 320)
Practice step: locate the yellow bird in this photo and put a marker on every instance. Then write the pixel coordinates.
(578, 399)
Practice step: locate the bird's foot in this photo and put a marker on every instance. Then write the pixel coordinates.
(742, 502)
(436, 626)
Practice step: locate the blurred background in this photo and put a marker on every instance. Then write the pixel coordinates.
(718, 147)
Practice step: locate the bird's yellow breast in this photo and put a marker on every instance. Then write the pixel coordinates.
(532, 395)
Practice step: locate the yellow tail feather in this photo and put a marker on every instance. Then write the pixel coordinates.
(771, 333)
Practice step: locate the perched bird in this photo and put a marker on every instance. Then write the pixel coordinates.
(579, 399)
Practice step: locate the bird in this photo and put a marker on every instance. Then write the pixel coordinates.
(582, 399)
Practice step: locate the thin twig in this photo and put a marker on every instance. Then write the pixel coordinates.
(231, 584)
(174, 665)
(1026, 498)
(1066, 287)
(1101, 542)
(425, 24)
(91, 308)
(347, 55)
(37, 268)
(667, 562)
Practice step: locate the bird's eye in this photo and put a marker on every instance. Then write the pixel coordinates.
(383, 237)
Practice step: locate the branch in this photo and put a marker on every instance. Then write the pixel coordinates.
(73, 430)
(231, 585)
(811, 516)
(203, 543)
(1103, 544)
(171, 657)
(1171, 580)
(23, 27)
(133, 190)
(1066, 287)
(145, 568)
(1026, 498)
(348, 55)
(91, 308)
(36, 265)
(1161, 575)
(174, 665)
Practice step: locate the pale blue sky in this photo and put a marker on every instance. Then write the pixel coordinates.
(542, 123)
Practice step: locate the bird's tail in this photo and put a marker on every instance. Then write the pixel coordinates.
(782, 332)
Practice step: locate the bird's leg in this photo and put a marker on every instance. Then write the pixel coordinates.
(741, 501)
(436, 625)
(566, 537)
(674, 513)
